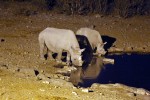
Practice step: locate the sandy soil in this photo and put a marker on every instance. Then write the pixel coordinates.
(23, 76)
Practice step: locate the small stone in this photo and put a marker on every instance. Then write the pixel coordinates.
(26, 52)
(46, 82)
(74, 93)
(101, 93)
(41, 71)
(85, 90)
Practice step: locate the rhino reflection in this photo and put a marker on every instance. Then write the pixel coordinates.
(90, 72)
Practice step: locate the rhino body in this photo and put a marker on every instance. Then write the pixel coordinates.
(59, 40)
(94, 38)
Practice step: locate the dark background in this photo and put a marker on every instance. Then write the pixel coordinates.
(123, 8)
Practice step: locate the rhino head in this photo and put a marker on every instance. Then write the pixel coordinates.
(76, 56)
(100, 49)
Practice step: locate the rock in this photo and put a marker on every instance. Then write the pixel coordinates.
(86, 90)
(46, 82)
(25, 53)
(101, 93)
(60, 82)
(142, 91)
(108, 61)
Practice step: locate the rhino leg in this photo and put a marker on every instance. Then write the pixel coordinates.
(59, 56)
(68, 58)
(50, 55)
(42, 45)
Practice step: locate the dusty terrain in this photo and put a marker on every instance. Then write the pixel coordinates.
(23, 76)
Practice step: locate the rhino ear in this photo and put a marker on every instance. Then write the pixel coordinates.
(102, 44)
(105, 43)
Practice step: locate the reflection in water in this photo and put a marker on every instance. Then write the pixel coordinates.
(90, 72)
(91, 66)
(132, 70)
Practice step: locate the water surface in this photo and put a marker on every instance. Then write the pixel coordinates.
(129, 69)
(132, 70)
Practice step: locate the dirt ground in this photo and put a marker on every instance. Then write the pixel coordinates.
(23, 76)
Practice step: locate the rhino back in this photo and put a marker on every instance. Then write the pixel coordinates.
(56, 39)
(92, 35)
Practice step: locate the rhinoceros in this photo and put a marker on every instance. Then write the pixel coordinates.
(59, 40)
(94, 38)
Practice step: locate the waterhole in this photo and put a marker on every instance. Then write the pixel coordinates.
(129, 69)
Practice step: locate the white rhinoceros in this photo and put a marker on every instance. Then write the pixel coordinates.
(59, 40)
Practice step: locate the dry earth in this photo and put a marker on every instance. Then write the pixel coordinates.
(23, 76)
